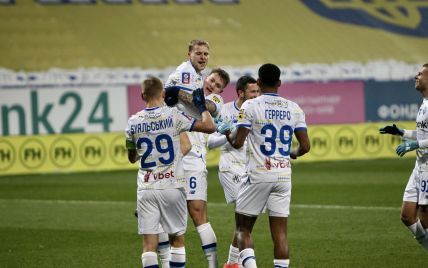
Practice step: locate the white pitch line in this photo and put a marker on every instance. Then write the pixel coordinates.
(98, 202)
(311, 206)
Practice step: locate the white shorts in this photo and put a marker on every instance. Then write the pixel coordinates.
(231, 183)
(162, 210)
(196, 184)
(417, 188)
(252, 198)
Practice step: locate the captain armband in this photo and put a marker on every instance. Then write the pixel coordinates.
(130, 145)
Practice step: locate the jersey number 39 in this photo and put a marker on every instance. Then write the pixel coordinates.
(270, 133)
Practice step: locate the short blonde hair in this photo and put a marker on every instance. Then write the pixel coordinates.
(198, 42)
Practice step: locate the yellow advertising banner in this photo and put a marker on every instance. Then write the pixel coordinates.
(63, 153)
(100, 152)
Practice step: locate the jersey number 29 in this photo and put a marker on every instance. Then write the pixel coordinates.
(159, 141)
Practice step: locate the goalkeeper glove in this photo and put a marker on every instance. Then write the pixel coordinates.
(393, 130)
(199, 100)
(217, 120)
(171, 95)
(406, 146)
(224, 127)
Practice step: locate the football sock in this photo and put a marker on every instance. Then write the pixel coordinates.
(248, 258)
(150, 259)
(164, 249)
(178, 257)
(209, 243)
(284, 263)
(419, 233)
(233, 255)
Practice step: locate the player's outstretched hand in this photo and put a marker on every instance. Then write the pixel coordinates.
(171, 95)
(199, 100)
(406, 146)
(393, 130)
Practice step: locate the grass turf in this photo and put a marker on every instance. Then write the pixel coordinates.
(344, 214)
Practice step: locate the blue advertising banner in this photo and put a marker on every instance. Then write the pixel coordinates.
(391, 101)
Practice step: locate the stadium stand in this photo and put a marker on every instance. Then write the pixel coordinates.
(34, 36)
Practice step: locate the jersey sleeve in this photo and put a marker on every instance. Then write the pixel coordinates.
(245, 116)
(182, 77)
(300, 122)
(129, 135)
(218, 102)
(184, 122)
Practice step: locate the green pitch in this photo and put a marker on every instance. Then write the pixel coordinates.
(344, 214)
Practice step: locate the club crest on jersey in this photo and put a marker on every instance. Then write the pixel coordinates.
(406, 17)
(185, 78)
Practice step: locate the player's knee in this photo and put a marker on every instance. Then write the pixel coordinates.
(147, 247)
(407, 219)
(177, 241)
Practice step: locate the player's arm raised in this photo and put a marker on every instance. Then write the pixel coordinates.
(175, 93)
(187, 98)
(206, 124)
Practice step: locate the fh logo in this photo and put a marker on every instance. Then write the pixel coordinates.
(399, 16)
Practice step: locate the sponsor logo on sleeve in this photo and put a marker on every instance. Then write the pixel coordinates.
(215, 99)
(241, 115)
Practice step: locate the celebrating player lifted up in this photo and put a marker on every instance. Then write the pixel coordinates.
(153, 138)
(269, 121)
(180, 85)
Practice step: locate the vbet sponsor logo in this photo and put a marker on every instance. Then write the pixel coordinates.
(407, 17)
(158, 176)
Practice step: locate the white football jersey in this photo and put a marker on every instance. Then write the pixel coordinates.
(231, 159)
(156, 134)
(422, 131)
(199, 140)
(272, 121)
(186, 77)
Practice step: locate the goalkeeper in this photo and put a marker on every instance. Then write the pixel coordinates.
(414, 210)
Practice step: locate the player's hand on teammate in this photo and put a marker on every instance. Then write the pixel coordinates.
(171, 95)
(406, 146)
(199, 100)
(393, 130)
(224, 127)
